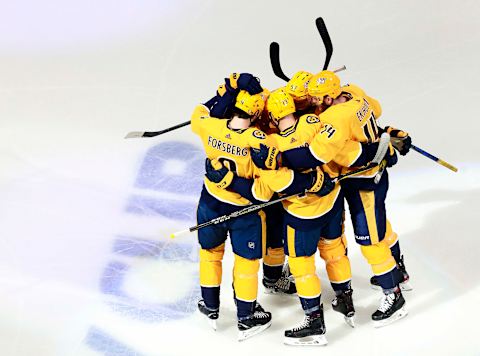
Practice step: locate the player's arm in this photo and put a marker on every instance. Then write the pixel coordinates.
(200, 113)
(262, 188)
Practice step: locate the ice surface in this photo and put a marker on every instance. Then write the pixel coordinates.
(86, 263)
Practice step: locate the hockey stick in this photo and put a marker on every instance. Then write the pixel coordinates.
(275, 51)
(251, 208)
(327, 41)
(381, 151)
(433, 158)
(137, 134)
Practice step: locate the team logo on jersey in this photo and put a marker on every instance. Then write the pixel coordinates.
(251, 245)
(312, 119)
(228, 136)
(259, 134)
(293, 140)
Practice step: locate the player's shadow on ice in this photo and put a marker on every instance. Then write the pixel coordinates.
(441, 258)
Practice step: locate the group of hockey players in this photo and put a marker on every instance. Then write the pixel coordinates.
(293, 142)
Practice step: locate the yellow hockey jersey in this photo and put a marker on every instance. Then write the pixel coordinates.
(309, 206)
(353, 120)
(231, 147)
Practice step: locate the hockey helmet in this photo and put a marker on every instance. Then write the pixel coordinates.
(297, 86)
(251, 104)
(279, 105)
(324, 83)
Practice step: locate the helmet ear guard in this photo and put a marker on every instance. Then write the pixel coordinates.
(324, 83)
(279, 105)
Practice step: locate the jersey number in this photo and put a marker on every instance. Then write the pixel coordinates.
(328, 130)
(370, 129)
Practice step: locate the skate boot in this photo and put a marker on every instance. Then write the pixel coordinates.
(343, 303)
(284, 285)
(310, 332)
(392, 308)
(404, 283)
(254, 323)
(211, 314)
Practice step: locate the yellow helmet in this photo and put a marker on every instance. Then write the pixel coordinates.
(251, 104)
(265, 94)
(279, 105)
(297, 86)
(324, 83)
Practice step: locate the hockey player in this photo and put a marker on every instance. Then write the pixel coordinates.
(297, 87)
(276, 274)
(229, 141)
(351, 114)
(310, 222)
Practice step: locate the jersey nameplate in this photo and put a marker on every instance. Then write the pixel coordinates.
(227, 147)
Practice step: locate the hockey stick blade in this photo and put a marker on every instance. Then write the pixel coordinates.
(322, 29)
(382, 148)
(137, 134)
(275, 61)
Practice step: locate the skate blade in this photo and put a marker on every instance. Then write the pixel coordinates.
(406, 286)
(211, 322)
(245, 334)
(277, 292)
(399, 314)
(313, 340)
(350, 320)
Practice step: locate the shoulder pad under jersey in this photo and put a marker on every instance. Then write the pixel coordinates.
(353, 89)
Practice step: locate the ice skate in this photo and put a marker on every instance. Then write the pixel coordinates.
(284, 285)
(392, 308)
(310, 332)
(343, 303)
(254, 324)
(404, 283)
(211, 314)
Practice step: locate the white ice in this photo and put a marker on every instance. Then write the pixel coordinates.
(86, 263)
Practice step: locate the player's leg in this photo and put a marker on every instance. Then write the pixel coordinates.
(391, 238)
(247, 234)
(212, 247)
(276, 273)
(300, 246)
(367, 209)
(333, 250)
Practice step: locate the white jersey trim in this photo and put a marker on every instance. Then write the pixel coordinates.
(255, 195)
(292, 177)
(359, 154)
(224, 200)
(314, 155)
(316, 216)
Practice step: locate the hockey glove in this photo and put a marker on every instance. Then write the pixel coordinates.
(391, 156)
(266, 157)
(322, 184)
(248, 82)
(217, 173)
(399, 139)
(225, 102)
